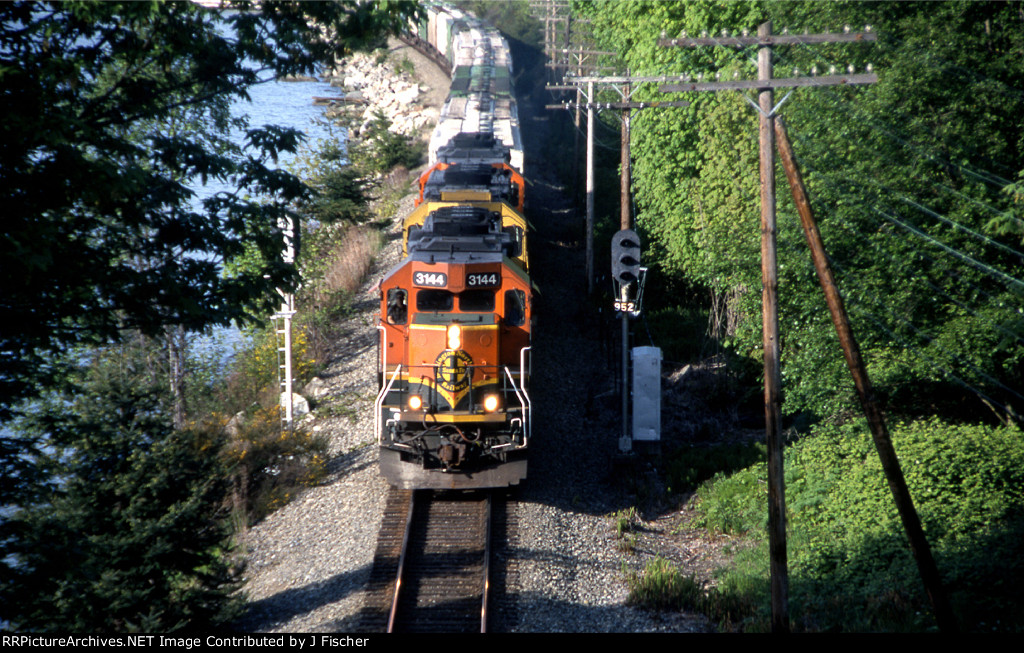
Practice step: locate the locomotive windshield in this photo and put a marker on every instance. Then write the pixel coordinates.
(434, 300)
(477, 300)
(397, 306)
(515, 307)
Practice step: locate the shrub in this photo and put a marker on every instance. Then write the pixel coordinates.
(850, 567)
(662, 587)
(270, 465)
(380, 149)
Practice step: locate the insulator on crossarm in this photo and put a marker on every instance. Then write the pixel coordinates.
(746, 32)
(870, 68)
(725, 33)
(814, 70)
(846, 29)
(703, 33)
(663, 34)
(867, 28)
(796, 72)
(831, 70)
(849, 69)
(785, 30)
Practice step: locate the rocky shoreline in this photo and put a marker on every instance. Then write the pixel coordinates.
(370, 85)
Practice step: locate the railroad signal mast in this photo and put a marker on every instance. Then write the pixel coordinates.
(283, 331)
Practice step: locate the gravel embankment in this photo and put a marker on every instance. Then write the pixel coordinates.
(309, 561)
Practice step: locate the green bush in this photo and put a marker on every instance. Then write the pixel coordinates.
(271, 466)
(380, 150)
(690, 466)
(662, 587)
(679, 331)
(850, 566)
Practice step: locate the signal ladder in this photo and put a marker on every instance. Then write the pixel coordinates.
(283, 334)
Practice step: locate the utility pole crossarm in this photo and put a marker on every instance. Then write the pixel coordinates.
(626, 79)
(617, 105)
(774, 39)
(761, 84)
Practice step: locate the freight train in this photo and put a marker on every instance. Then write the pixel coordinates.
(453, 409)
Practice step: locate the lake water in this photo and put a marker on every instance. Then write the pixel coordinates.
(286, 104)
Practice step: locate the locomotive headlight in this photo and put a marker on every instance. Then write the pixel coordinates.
(491, 403)
(454, 337)
(415, 402)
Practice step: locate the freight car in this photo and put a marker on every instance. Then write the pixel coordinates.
(453, 408)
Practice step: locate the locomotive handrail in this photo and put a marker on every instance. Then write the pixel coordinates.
(379, 403)
(522, 366)
(528, 410)
(524, 401)
(504, 371)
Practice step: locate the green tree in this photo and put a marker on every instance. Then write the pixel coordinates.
(132, 532)
(100, 233)
(112, 110)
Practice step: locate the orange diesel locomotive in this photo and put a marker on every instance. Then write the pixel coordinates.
(453, 409)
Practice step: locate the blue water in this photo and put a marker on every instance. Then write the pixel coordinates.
(285, 104)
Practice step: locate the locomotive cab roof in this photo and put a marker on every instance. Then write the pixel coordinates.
(474, 147)
(460, 229)
(495, 183)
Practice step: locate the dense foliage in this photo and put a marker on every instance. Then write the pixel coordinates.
(849, 565)
(130, 534)
(95, 166)
(909, 178)
(916, 185)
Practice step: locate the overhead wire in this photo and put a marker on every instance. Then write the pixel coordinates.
(845, 225)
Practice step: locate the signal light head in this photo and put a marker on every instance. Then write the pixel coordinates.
(625, 256)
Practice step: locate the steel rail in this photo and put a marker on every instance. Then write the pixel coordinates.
(401, 564)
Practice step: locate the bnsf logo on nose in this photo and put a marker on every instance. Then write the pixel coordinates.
(453, 370)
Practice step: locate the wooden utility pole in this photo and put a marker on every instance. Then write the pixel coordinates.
(851, 351)
(622, 85)
(582, 64)
(770, 333)
(625, 222)
(590, 192)
(769, 270)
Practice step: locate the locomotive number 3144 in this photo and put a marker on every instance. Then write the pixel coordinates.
(482, 280)
(435, 279)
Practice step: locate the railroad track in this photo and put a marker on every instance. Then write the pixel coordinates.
(431, 570)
